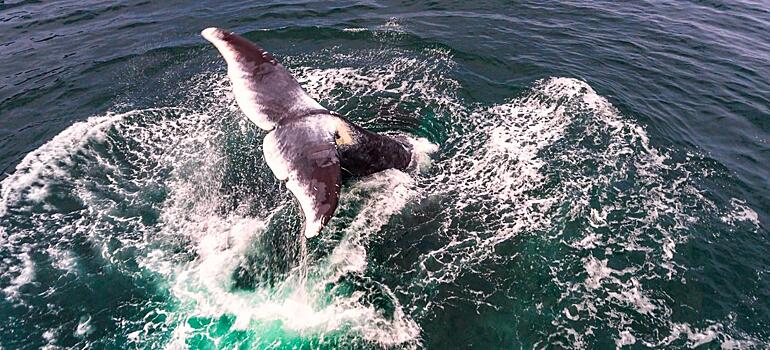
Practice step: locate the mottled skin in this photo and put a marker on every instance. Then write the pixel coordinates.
(309, 147)
(372, 153)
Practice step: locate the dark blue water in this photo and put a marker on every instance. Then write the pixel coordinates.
(592, 175)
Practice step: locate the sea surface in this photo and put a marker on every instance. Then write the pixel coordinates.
(589, 175)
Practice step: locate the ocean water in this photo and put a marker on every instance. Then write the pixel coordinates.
(591, 175)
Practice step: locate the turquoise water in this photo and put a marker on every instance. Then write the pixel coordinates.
(591, 175)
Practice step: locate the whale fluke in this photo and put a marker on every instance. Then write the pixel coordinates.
(265, 91)
(305, 157)
(308, 146)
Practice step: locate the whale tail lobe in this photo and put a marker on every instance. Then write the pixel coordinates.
(265, 91)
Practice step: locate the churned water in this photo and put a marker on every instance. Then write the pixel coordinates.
(590, 175)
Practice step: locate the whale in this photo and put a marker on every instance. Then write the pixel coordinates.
(309, 147)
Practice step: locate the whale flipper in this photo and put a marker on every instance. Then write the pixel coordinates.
(265, 91)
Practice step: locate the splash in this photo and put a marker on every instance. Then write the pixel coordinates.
(46, 161)
(561, 163)
(176, 205)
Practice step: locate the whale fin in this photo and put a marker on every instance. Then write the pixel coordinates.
(265, 91)
(304, 155)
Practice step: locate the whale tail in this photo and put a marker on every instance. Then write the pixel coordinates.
(308, 146)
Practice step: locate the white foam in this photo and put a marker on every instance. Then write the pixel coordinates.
(421, 153)
(25, 274)
(394, 189)
(221, 246)
(393, 24)
(42, 163)
(507, 165)
(597, 271)
(50, 339)
(84, 326)
(734, 344)
(741, 213)
(625, 338)
(560, 121)
(410, 79)
(63, 259)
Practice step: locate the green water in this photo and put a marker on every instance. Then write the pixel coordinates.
(589, 175)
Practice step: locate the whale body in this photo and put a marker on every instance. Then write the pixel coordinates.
(308, 146)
